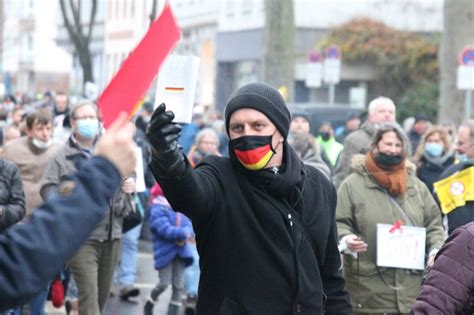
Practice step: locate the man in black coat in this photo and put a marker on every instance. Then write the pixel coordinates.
(264, 221)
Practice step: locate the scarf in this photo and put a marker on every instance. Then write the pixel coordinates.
(438, 160)
(393, 178)
(287, 182)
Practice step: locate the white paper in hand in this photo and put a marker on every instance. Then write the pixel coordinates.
(176, 86)
(403, 248)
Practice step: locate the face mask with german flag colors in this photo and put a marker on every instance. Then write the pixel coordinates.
(253, 152)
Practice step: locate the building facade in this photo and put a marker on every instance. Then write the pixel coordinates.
(240, 42)
(31, 60)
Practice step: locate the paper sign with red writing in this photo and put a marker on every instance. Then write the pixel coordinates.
(402, 247)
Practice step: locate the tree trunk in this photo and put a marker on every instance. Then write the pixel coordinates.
(86, 65)
(278, 54)
(457, 33)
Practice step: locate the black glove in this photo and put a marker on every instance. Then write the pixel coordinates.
(162, 134)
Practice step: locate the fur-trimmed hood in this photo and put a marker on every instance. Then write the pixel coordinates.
(358, 164)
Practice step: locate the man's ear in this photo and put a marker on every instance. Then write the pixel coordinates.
(470, 152)
(29, 132)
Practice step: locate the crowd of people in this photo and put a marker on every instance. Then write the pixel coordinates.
(248, 211)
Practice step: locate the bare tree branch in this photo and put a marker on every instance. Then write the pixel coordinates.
(72, 33)
(76, 14)
(75, 30)
(153, 11)
(92, 20)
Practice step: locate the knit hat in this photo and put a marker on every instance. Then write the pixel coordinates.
(265, 99)
(301, 115)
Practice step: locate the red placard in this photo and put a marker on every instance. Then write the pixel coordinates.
(133, 79)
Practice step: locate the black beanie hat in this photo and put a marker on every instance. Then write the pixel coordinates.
(302, 115)
(265, 99)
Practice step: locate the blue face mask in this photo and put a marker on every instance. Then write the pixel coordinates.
(87, 128)
(434, 149)
(461, 157)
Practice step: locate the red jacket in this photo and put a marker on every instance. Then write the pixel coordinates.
(449, 287)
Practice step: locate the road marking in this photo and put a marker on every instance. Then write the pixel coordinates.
(145, 285)
(145, 255)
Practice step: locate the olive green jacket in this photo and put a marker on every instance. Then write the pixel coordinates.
(362, 203)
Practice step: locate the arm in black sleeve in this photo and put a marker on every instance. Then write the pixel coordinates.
(338, 300)
(14, 211)
(31, 254)
(194, 192)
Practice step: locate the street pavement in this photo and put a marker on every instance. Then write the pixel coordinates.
(147, 277)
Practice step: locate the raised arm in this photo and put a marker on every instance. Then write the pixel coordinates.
(31, 254)
(189, 191)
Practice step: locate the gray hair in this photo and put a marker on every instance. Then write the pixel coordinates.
(401, 135)
(206, 132)
(470, 125)
(377, 101)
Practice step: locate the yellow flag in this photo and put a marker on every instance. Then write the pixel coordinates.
(455, 190)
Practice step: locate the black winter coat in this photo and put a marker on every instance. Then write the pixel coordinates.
(258, 255)
(429, 172)
(12, 197)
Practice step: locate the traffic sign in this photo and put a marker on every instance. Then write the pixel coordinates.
(465, 79)
(315, 56)
(332, 65)
(314, 74)
(466, 58)
(333, 52)
(314, 69)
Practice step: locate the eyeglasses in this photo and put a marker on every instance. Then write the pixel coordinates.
(85, 117)
(208, 143)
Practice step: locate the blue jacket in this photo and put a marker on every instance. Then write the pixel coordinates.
(166, 235)
(33, 253)
(188, 134)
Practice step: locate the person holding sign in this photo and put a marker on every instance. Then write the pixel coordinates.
(264, 221)
(455, 189)
(387, 220)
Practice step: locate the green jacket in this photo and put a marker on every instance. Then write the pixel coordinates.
(362, 203)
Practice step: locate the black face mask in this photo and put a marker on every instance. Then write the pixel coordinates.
(388, 160)
(253, 152)
(325, 136)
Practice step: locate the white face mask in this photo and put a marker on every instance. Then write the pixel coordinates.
(41, 144)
